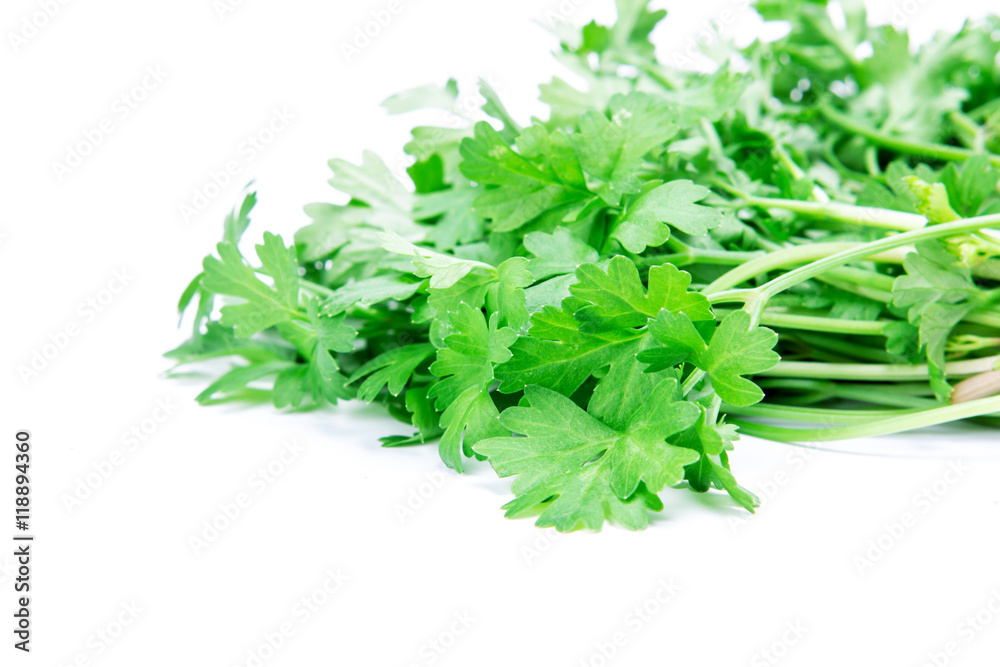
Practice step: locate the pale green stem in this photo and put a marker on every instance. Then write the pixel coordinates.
(821, 266)
(926, 149)
(877, 372)
(906, 422)
(815, 415)
(868, 216)
(818, 323)
(800, 254)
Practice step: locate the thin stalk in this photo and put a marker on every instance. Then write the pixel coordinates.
(818, 323)
(989, 318)
(899, 395)
(871, 162)
(814, 415)
(859, 276)
(984, 111)
(731, 296)
(784, 256)
(879, 396)
(862, 251)
(897, 388)
(970, 132)
(925, 149)
(692, 381)
(818, 193)
(711, 137)
(789, 256)
(906, 422)
(893, 256)
(881, 295)
(702, 256)
(878, 372)
(868, 216)
(986, 316)
(838, 344)
(830, 154)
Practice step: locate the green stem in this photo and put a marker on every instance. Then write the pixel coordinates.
(869, 216)
(925, 149)
(871, 162)
(864, 250)
(897, 395)
(856, 283)
(883, 296)
(800, 254)
(814, 415)
(969, 131)
(858, 276)
(839, 344)
(878, 372)
(692, 381)
(818, 323)
(893, 256)
(903, 422)
(984, 111)
(702, 256)
(782, 256)
(711, 138)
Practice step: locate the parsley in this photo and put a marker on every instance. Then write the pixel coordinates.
(799, 246)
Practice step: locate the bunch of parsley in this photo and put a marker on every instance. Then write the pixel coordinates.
(598, 303)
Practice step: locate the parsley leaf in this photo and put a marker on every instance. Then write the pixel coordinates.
(580, 298)
(466, 368)
(645, 221)
(265, 305)
(581, 469)
(734, 350)
(524, 189)
(616, 297)
(611, 146)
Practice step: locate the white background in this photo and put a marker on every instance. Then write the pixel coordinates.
(532, 597)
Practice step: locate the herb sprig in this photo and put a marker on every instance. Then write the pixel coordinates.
(799, 246)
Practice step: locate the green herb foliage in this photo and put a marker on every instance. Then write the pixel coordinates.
(600, 303)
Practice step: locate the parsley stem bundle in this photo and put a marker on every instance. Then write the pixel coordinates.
(801, 245)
